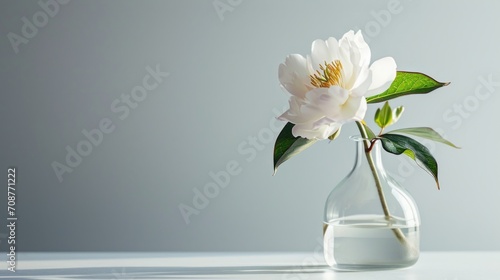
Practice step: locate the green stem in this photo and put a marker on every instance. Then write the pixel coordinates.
(366, 142)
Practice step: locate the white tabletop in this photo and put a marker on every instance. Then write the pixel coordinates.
(299, 266)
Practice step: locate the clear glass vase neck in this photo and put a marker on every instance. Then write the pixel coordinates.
(361, 158)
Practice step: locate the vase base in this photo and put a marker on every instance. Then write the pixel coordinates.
(362, 267)
(370, 242)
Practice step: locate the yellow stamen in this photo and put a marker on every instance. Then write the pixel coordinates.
(331, 76)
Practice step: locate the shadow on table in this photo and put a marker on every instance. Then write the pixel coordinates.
(163, 272)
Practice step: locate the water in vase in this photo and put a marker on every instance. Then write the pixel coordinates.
(370, 242)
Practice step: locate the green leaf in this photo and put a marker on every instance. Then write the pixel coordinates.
(369, 132)
(407, 83)
(397, 113)
(287, 145)
(400, 144)
(427, 133)
(383, 117)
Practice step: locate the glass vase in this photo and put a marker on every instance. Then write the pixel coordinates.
(370, 221)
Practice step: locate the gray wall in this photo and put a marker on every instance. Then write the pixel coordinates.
(215, 110)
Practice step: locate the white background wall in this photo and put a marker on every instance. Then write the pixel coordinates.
(222, 91)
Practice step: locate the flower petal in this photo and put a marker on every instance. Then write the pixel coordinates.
(333, 48)
(324, 121)
(328, 100)
(364, 50)
(319, 54)
(363, 82)
(294, 75)
(383, 74)
(357, 52)
(354, 109)
(345, 59)
(301, 111)
(293, 113)
(310, 132)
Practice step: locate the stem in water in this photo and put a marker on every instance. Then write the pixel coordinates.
(368, 145)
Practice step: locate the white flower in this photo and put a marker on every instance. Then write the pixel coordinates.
(329, 87)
